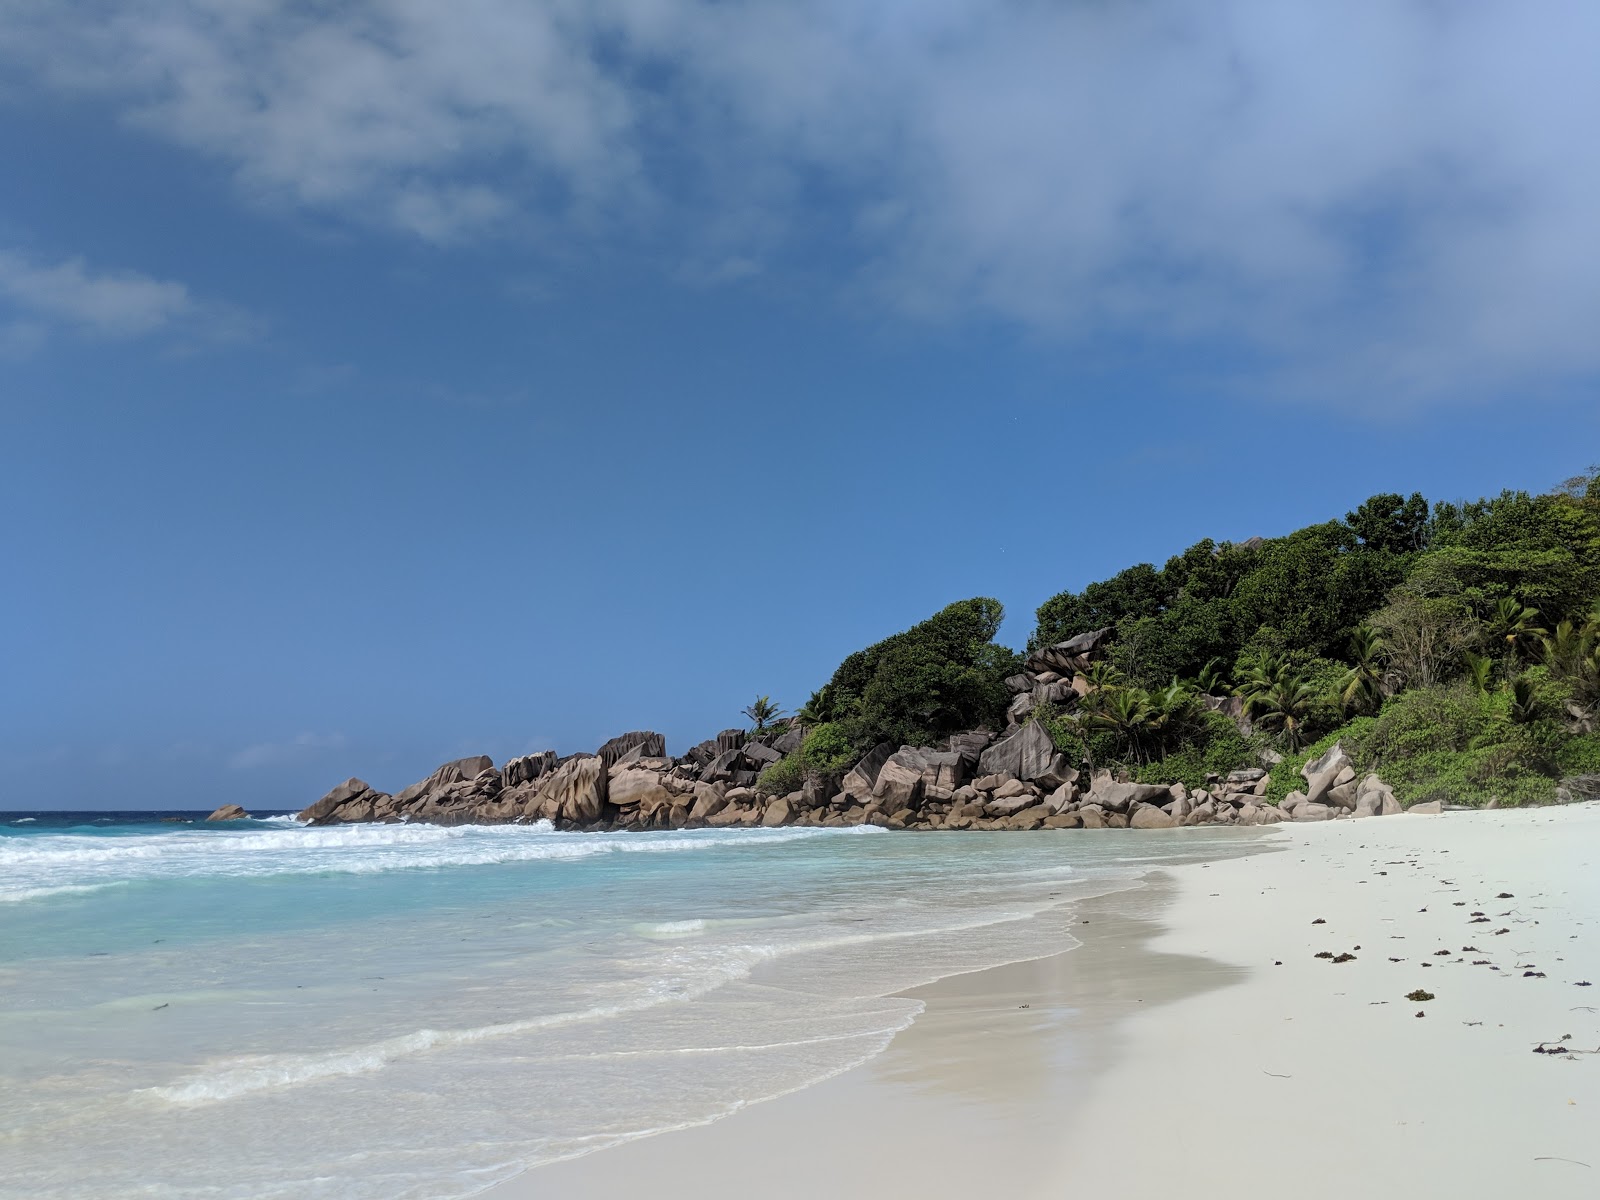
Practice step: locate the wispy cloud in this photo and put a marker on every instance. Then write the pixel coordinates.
(301, 748)
(39, 297)
(112, 304)
(1394, 196)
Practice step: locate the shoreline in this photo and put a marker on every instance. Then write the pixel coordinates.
(1169, 1050)
(968, 1062)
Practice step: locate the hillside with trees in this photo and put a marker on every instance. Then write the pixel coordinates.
(1455, 647)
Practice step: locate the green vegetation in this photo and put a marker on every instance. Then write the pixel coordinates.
(941, 676)
(1455, 650)
(826, 751)
(763, 713)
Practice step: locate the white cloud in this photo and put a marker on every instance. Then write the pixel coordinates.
(276, 754)
(1389, 195)
(40, 298)
(112, 304)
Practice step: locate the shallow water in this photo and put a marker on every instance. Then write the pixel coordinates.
(266, 1010)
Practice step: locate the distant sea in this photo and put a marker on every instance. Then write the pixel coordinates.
(261, 1009)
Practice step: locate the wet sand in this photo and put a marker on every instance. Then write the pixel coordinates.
(1171, 1051)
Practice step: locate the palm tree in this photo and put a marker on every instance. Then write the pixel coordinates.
(1278, 696)
(763, 712)
(1102, 676)
(1573, 653)
(1524, 700)
(1127, 712)
(1516, 627)
(1212, 678)
(1480, 670)
(1171, 710)
(818, 710)
(1361, 687)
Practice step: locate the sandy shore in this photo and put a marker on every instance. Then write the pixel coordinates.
(1172, 1051)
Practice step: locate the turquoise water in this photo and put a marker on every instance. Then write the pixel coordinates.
(266, 1010)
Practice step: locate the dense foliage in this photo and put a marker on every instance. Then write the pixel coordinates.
(1455, 649)
(936, 678)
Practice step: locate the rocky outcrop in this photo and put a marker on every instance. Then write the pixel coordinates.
(633, 745)
(974, 780)
(229, 812)
(1069, 656)
(353, 800)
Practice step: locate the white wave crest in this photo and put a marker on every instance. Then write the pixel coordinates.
(49, 865)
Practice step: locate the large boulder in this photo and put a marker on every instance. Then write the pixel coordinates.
(863, 777)
(1028, 754)
(229, 812)
(634, 787)
(1119, 797)
(1148, 816)
(1066, 657)
(352, 800)
(460, 770)
(528, 768)
(779, 812)
(899, 785)
(1017, 712)
(576, 792)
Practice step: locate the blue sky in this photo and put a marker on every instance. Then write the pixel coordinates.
(383, 382)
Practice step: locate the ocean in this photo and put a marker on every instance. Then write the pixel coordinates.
(260, 1009)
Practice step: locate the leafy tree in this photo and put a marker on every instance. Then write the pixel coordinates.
(940, 676)
(1387, 522)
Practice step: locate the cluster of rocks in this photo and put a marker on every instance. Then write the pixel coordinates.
(973, 780)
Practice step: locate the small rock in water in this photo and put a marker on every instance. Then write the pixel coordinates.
(1419, 996)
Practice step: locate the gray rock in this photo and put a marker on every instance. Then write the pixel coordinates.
(1005, 806)
(709, 799)
(1148, 816)
(777, 813)
(1310, 811)
(460, 770)
(529, 767)
(1063, 796)
(1431, 809)
(760, 755)
(630, 786)
(638, 744)
(1018, 710)
(352, 800)
(576, 792)
(1341, 796)
(1028, 753)
(898, 785)
(1020, 682)
(860, 779)
(1334, 760)
(1066, 657)
(1011, 788)
(1118, 797)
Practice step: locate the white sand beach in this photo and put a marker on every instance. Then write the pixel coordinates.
(1196, 1044)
